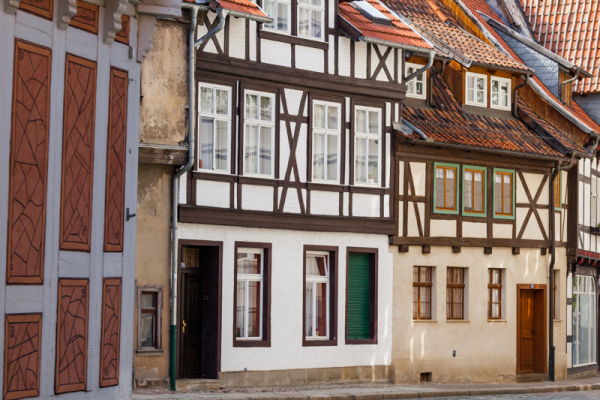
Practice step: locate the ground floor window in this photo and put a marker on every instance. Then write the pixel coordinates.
(584, 320)
(149, 303)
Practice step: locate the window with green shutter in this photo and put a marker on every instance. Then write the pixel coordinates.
(360, 319)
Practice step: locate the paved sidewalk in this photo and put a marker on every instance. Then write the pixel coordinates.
(371, 391)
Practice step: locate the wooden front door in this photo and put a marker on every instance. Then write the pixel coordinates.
(531, 329)
(528, 333)
(199, 313)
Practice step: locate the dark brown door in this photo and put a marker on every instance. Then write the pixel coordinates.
(528, 334)
(191, 326)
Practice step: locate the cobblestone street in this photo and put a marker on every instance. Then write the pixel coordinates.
(532, 396)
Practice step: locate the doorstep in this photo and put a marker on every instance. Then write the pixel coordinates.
(198, 384)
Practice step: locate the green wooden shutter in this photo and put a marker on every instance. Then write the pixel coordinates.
(359, 296)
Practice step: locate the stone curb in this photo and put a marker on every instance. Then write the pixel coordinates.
(376, 395)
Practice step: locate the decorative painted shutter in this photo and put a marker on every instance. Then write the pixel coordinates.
(359, 299)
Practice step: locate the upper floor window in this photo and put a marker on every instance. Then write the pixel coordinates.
(595, 200)
(326, 128)
(445, 188)
(367, 146)
(474, 191)
(500, 93)
(416, 87)
(259, 130)
(214, 119)
(476, 89)
(504, 193)
(311, 16)
(279, 10)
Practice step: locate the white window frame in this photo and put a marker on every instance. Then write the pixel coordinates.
(215, 117)
(327, 132)
(324, 23)
(259, 123)
(508, 94)
(251, 278)
(485, 89)
(274, 28)
(411, 85)
(313, 280)
(368, 136)
(576, 330)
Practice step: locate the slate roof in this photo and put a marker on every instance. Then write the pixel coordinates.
(432, 17)
(243, 6)
(448, 123)
(396, 32)
(569, 28)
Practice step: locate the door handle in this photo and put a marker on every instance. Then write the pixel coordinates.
(533, 332)
(183, 324)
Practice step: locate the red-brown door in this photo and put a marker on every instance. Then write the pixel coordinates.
(527, 335)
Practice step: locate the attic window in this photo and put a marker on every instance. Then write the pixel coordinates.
(370, 12)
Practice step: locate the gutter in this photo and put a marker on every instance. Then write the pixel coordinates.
(175, 183)
(551, 361)
(388, 43)
(422, 70)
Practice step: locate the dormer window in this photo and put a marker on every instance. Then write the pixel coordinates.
(370, 12)
(279, 10)
(416, 87)
(476, 89)
(500, 89)
(310, 18)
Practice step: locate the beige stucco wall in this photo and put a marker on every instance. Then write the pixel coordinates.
(485, 351)
(165, 86)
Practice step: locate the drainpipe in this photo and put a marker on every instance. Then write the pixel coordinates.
(514, 97)
(422, 70)
(560, 91)
(192, 44)
(557, 169)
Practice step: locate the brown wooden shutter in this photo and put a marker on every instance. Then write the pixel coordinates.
(115, 162)
(28, 166)
(111, 332)
(78, 154)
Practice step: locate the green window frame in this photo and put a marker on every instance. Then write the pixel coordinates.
(483, 170)
(445, 167)
(504, 172)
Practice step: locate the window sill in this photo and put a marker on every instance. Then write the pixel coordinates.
(425, 320)
(318, 342)
(252, 343)
(457, 320)
(496, 320)
(148, 352)
(285, 37)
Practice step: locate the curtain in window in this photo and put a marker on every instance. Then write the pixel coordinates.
(251, 152)
(206, 143)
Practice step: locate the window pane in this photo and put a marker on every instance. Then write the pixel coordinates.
(332, 157)
(321, 310)
(470, 82)
(361, 165)
(282, 16)
(254, 305)
(470, 95)
(479, 84)
(319, 156)
(361, 121)
(206, 100)
(494, 86)
(252, 106)
(425, 297)
(410, 85)
(439, 187)
(249, 263)
(308, 327)
(507, 195)
(373, 161)
(480, 97)
(317, 22)
(222, 107)
(415, 274)
(206, 143)
(148, 300)
(251, 150)
(265, 108)
(332, 117)
(303, 21)
(269, 6)
(316, 266)
(240, 323)
(425, 275)
(419, 87)
(265, 150)
(478, 191)
(147, 330)
(496, 276)
(495, 99)
(415, 302)
(468, 198)
(498, 193)
(450, 188)
(319, 116)
(221, 145)
(373, 122)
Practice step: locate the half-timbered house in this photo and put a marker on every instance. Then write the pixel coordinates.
(283, 271)
(69, 109)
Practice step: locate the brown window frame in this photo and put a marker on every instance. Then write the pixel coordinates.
(418, 284)
(494, 286)
(158, 291)
(512, 182)
(333, 289)
(483, 190)
(265, 341)
(456, 178)
(373, 320)
(557, 199)
(453, 286)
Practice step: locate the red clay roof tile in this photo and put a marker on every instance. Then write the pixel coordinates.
(244, 6)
